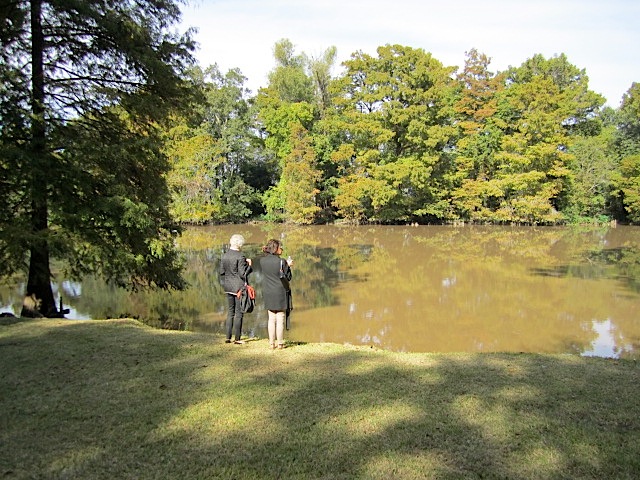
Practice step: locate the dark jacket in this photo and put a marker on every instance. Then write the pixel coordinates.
(233, 271)
(274, 289)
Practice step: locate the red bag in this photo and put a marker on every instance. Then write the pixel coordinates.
(247, 296)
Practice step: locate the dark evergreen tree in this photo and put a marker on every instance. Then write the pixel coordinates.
(84, 86)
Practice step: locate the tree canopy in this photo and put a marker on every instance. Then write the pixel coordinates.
(85, 89)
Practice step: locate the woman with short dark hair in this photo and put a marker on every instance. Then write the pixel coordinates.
(276, 275)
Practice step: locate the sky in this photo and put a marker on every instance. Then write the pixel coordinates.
(600, 36)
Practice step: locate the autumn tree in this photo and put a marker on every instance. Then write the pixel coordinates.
(476, 187)
(627, 179)
(300, 178)
(84, 87)
(396, 114)
(285, 106)
(544, 104)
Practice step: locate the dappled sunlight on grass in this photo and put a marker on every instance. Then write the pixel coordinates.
(408, 466)
(493, 421)
(215, 419)
(376, 419)
(114, 399)
(541, 462)
(519, 393)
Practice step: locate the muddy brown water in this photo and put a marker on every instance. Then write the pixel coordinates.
(416, 289)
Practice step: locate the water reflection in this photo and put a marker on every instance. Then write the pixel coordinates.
(606, 344)
(419, 289)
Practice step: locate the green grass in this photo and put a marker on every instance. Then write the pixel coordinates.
(117, 400)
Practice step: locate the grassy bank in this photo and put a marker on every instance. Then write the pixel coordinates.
(115, 399)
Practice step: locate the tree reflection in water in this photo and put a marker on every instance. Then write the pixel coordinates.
(421, 289)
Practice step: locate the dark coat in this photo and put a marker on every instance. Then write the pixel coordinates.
(234, 271)
(274, 288)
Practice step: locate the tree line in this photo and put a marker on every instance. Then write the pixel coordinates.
(399, 137)
(112, 137)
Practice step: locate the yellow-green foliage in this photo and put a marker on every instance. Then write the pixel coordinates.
(399, 137)
(629, 184)
(191, 154)
(300, 178)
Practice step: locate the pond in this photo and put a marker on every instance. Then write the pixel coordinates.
(411, 289)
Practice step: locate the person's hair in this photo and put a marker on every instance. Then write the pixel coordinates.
(271, 247)
(236, 241)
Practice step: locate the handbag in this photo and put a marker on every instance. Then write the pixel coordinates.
(283, 276)
(287, 322)
(247, 296)
(287, 288)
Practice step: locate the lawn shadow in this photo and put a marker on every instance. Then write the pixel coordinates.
(469, 416)
(117, 400)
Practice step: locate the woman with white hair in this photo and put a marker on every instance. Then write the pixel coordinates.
(234, 272)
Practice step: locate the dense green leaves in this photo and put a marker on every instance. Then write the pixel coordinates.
(85, 88)
(626, 180)
(400, 137)
(516, 137)
(629, 184)
(212, 150)
(395, 111)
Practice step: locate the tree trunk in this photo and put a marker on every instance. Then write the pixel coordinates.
(39, 282)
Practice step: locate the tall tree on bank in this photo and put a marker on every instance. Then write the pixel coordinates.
(395, 111)
(285, 107)
(83, 84)
(479, 139)
(514, 157)
(627, 180)
(545, 105)
(216, 156)
(300, 178)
